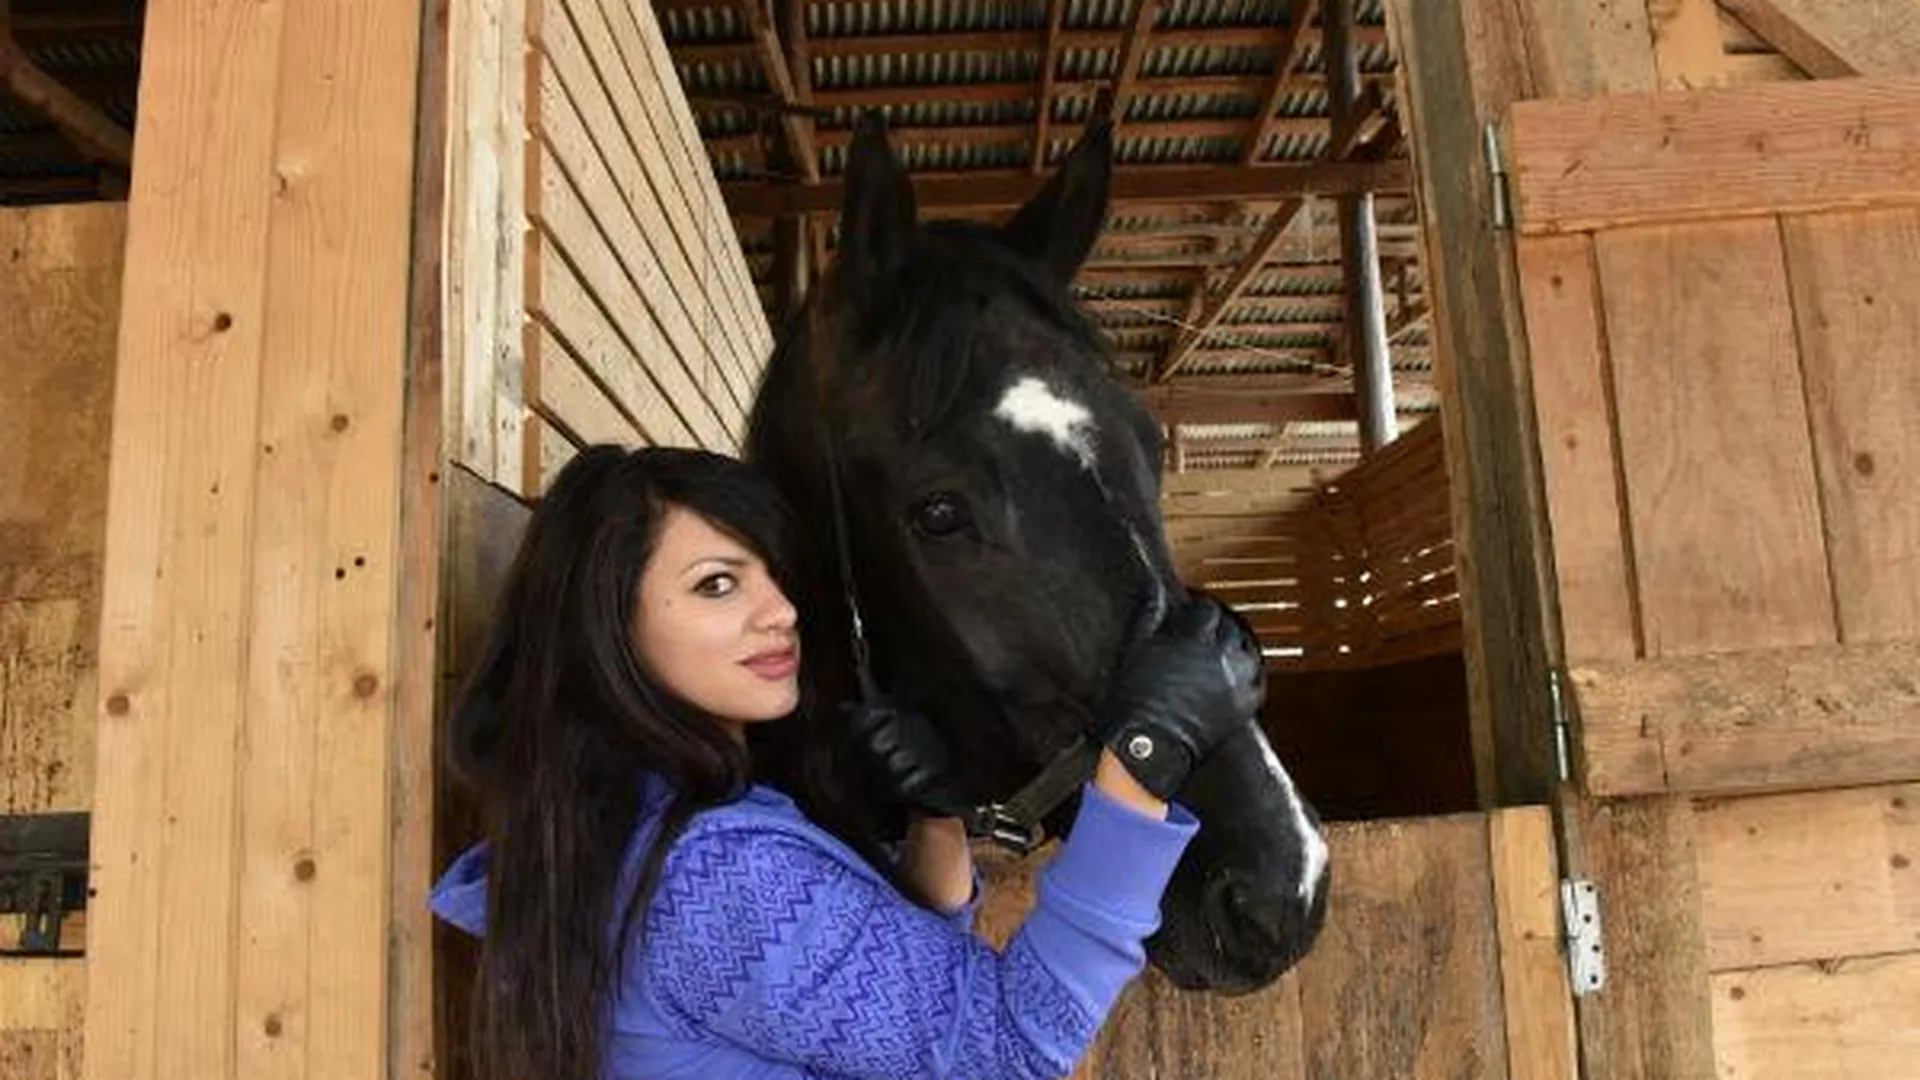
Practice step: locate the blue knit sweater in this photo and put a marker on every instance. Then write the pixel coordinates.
(774, 952)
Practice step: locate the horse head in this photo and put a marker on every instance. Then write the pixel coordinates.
(1001, 511)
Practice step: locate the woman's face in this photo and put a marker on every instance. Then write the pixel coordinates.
(713, 627)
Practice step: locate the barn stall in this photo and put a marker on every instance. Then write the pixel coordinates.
(349, 352)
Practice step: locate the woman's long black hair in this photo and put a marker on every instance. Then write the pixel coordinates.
(560, 721)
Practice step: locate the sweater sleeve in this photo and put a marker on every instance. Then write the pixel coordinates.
(772, 942)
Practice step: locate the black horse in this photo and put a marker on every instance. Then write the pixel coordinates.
(1001, 495)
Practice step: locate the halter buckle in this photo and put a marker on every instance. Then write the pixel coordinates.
(994, 822)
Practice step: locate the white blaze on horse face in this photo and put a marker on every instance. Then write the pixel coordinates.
(1030, 405)
(1311, 844)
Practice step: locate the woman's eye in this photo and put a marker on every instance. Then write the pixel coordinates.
(940, 515)
(716, 585)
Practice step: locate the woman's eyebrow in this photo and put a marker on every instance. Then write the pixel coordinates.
(732, 562)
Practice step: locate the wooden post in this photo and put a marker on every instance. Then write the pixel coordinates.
(792, 265)
(252, 657)
(1359, 248)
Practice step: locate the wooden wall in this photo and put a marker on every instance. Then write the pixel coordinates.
(256, 633)
(60, 286)
(1439, 960)
(597, 290)
(1700, 335)
(1358, 573)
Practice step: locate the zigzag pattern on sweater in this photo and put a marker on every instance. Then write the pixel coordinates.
(766, 939)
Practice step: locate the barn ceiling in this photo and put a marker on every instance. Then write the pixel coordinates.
(1230, 321)
(89, 50)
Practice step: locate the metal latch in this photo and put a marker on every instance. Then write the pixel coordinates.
(1586, 953)
(43, 876)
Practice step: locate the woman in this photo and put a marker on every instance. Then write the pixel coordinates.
(647, 910)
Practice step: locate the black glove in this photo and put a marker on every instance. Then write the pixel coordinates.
(908, 757)
(1182, 689)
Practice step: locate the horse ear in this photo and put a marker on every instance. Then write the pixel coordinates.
(1058, 225)
(877, 213)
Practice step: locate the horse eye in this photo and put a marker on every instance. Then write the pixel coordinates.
(939, 515)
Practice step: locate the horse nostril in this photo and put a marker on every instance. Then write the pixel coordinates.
(1260, 924)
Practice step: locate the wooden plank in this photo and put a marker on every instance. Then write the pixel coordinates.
(1654, 1021)
(1576, 48)
(1814, 876)
(1833, 39)
(1636, 159)
(549, 448)
(1405, 980)
(1293, 38)
(561, 302)
(1533, 971)
(1858, 318)
(1158, 183)
(564, 219)
(781, 79)
(92, 132)
(564, 393)
(1174, 406)
(1573, 397)
(313, 995)
(595, 73)
(1461, 67)
(486, 192)
(1713, 430)
(1755, 720)
(1851, 1020)
(1259, 253)
(174, 628)
(1043, 97)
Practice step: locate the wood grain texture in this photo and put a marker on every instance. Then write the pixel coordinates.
(1537, 993)
(1858, 317)
(1707, 383)
(1812, 876)
(1654, 1021)
(1833, 39)
(1573, 397)
(1750, 721)
(1462, 65)
(1686, 43)
(252, 556)
(1850, 1020)
(1638, 159)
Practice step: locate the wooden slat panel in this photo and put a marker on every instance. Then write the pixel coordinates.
(1574, 399)
(557, 299)
(1858, 314)
(565, 220)
(1713, 436)
(579, 190)
(562, 392)
(597, 77)
(1834, 40)
(1758, 720)
(1404, 981)
(1533, 971)
(1846, 1021)
(1654, 1020)
(1635, 159)
(1810, 876)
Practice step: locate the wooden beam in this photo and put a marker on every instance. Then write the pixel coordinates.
(1004, 41)
(89, 129)
(1139, 33)
(1043, 102)
(773, 62)
(1237, 282)
(1003, 91)
(1293, 39)
(1176, 405)
(1011, 187)
(1004, 134)
(1833, 39)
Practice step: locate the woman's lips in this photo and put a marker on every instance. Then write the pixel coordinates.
(773, 665)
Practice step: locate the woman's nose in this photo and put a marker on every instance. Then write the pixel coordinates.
(775, 611)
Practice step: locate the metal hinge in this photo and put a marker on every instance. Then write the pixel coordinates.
(1562, 732)
(43, 877)
(1586, 949)
(1497, 171)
